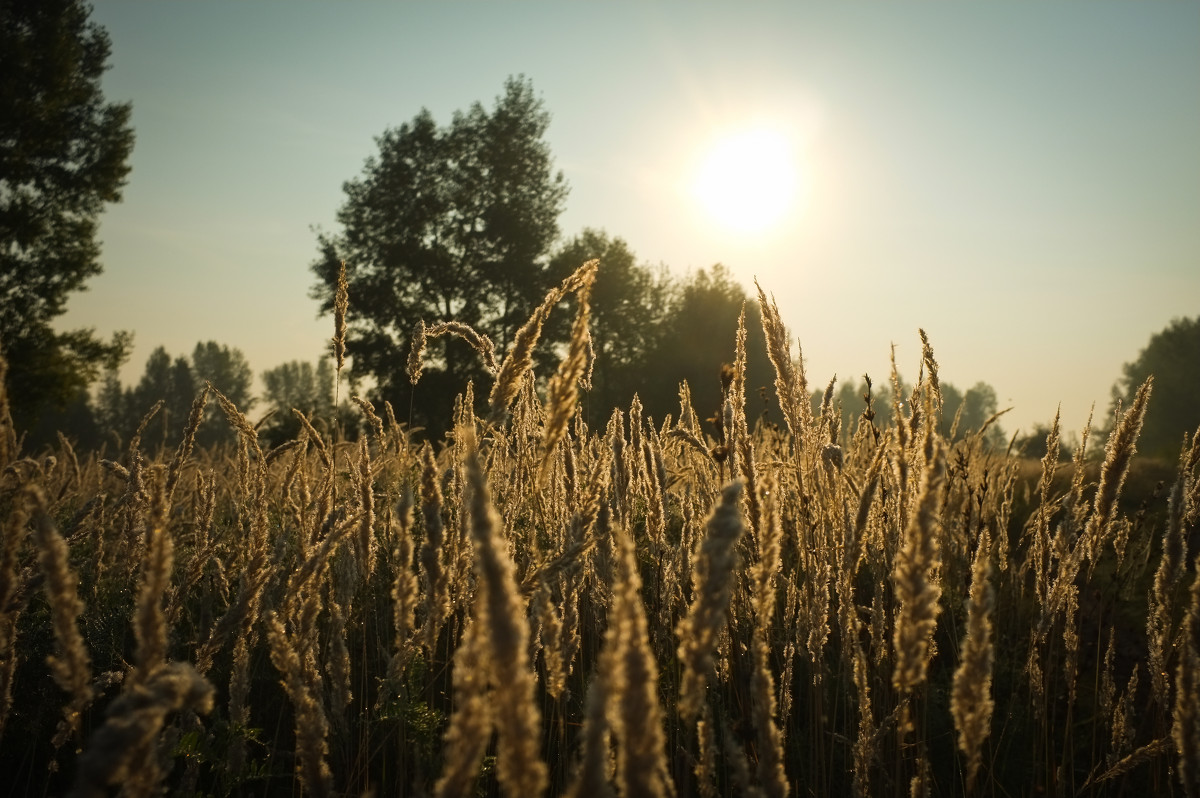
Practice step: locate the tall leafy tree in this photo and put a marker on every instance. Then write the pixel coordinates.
(64, 154)
(445, 223)
(1171, 357)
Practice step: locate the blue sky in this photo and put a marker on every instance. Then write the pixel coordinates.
(1023, 181)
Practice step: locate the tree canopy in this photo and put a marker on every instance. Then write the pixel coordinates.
(1171, 357)
(446, 223)
(64, 154)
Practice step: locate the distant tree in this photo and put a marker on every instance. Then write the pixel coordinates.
(121, 410)
(177, 382)
(698, 337)
(850, 397)
(445, 223)
(972, 410)
(628, 316)
(1171, 357)
(1033, 443)
(63, 155)
(300, 386)
(229, 372)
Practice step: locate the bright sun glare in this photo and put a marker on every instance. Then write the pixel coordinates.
(748, 180)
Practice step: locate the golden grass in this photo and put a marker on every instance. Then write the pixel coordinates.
(532, 607)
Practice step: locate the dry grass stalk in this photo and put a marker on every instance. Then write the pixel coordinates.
(71, 666)
(916, 591)
(931, 364)
(1124, 726)
(591, 779)
(13, 531)
(368, 411)
(1040, 546)
(550, 640)
(971, 698)
(713, 572)
(470, 727)
(520, 357)
(436, 598)
(865, 745)
(150, 627)
(1185, 729)
(122, 751)
(1117, 455)
(242, 612)
(563, 391)
(636, 716)
(416, 352)
(770, 770)
(706, 768)
(1147, 752)
(341, 303)
(790, 384)
(1159, 632)
(477, 340)
(506, 642)
(184, 449)
(315, 438)
(312, 727)
(364, 542)
(337, 663)
(9, 447)
(241, 425)
(404, 588)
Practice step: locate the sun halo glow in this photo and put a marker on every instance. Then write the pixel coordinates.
(748, 180)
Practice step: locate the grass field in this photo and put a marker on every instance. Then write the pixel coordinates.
(534, 607)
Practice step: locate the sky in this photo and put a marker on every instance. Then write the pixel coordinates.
(1022, 181)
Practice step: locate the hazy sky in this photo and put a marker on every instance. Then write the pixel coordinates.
(1023, 181)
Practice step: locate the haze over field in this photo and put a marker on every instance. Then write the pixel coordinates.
(1022, 182)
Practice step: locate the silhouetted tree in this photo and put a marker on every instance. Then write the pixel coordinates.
(445, 223)
(300, 386)
(229, 372)
(1033, 443)
(177, 382)
(120, 410)
(629, 313)
(850, 398)
(63, 155)
(1171, 357)
(977, 405)
(697, 338)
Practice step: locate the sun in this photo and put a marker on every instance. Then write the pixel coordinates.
(748, 181)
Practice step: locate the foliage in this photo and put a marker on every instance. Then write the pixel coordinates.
(63, 155)
(297, 385)
(446, 223)
(629, 315)
(177, 382)
(687, 350)
(1171, 357)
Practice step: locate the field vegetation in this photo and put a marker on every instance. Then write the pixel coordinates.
(531, 606)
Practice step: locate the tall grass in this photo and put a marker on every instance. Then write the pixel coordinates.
(533, 607)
